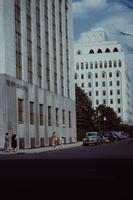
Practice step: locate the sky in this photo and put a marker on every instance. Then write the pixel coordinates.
(115, 17)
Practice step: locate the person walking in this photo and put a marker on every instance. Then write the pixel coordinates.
(7, 142)
(62, 142)
(54, 139)
(14, 142)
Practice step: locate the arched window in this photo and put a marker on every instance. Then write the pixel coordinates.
(103, 74)
(89, 76)
(91, 51)
(115, 50)
(119, 63)
(82, 76)
(78, 52)
(76, 76)
(107, 51)
(117, 74)
(91, 65)
(99, 51)
(105, 64)
(115, 63)
(82, 65)
(77, 66)
(100, 64)
(96, 65)
(110, 63)
(86, 65)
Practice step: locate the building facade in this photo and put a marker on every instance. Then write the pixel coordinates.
(101, 71)
(37, 95)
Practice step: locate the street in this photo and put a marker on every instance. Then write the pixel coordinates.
(87, 168)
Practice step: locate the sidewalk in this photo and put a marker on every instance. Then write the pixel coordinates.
(43, 149)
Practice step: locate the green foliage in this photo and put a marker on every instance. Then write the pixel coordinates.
(102, 118)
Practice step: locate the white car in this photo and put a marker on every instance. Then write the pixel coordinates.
(92, 138)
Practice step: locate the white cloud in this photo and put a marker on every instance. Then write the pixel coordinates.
(81, 9)
(94, 3)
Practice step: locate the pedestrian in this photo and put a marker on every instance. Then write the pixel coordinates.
(14, 142)
(7, 142)
(54, 139)
(62, 141)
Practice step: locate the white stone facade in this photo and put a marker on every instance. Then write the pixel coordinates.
(101, 71)
(12, 88)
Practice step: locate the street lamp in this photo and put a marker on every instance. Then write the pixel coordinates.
(104, 119)
(99, 115)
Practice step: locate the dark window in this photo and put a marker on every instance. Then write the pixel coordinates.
(78, 52)
(49, 116)
(118, 101)
(97, 102)
(104, 92)
(41, 114)
(96, 65)
(91, 65)
(89, 76)
(104, 101)
(57, 117)
(20, 111)
(82, 76)
(110, 83)
(100, 64)
(110, 63)
(77, 66)
(99, 51)
(63, 117)
(96, 84)
(119, 63)
(32, 112)
(89, 84)
(118, 92)
(111, 92)
(82, 85)
(105, 64)
(119, 110)
(96, 75)
(90, 94)
(91, 51)
(96, 93)
(107, 50)
(115, 63)
(86, 65)
(115, 50)
(118, 83)
(103, 75)
(111, 101)
(117, 74)
(82, 65)
(103, 83)
(70, 120)
(110, 74)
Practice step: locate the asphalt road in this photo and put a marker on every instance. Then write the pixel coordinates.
(105, 171)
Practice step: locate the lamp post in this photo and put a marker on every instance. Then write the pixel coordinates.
(104, 119)
(99, 124)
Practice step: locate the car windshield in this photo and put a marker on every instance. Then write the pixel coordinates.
(91, 134)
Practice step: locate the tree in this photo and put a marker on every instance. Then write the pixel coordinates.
(108, 118)
(84, 113)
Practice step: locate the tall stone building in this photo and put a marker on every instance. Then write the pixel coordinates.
(37, 95)
(102, 72)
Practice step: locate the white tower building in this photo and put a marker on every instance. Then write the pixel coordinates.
(37, 95)
(101, 71)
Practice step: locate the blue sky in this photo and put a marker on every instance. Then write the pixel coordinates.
(115, 17)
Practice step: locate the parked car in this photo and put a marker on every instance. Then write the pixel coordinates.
(92, 138)
(104, 137)
(123, 134)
